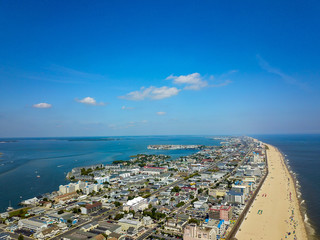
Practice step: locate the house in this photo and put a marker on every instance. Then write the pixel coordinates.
(175, 225)
(90, 226)
(146, 220)
(194, 232)
(154, 170)
(89, 208)
(47, 233)
(5, 236)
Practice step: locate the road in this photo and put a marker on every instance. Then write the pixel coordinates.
(149, 232)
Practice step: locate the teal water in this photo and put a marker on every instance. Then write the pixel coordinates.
(303, 154)
(52, 158)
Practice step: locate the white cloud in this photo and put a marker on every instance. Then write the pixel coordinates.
(152, 93)
(161, 113)
(225, 83)
(127, 108)
(288, 79)
(193, 81)
(90, 101)
(42, 105)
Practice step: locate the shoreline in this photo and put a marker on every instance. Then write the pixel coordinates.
(279, 204)
(302, 205)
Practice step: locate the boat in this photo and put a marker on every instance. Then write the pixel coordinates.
(10, 208)
(38, 176)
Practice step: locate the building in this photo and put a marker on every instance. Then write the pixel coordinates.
(32, 224)
(66, 197)
(146, 220)
(72, 187)
(154, 170)
(194, 232)
(89, 208)
(217, 192)
(90, 226)
(221, 212)
(101, 180)
(234, 197)
(127, 223)
(92, 187)
(138, 203)
(175, 225)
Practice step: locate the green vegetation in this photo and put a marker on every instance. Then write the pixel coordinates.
(194, 200)
(119, 162)
(193, 220)
(180, 204)
(131, 197)
(86, 172)
(19, 213)
(60, 211)
(176, 189)
(76, 210)
(192, 175)
(119, 216)
(146, 196)
(117, 204)
(154, 214)
(21, 237)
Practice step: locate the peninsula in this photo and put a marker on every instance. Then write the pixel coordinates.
(241, 189)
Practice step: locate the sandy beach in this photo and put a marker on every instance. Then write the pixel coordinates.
(275, 213)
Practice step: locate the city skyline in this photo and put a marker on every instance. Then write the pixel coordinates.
(157, 68)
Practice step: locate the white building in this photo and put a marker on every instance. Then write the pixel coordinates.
(32, 224)
(72, 187)
(138, 203)
(101, 180)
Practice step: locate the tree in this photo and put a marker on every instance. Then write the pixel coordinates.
(131, 197)
(21, 237)
(176, 189)
(60, 211)
(180, 204)
(119, 216)
(117, 204)
(193, 220)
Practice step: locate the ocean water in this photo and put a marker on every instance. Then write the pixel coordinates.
(303, 155)
(51, 158)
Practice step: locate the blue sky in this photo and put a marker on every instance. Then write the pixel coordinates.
(108, 68)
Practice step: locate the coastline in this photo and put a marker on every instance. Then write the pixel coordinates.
(302, 205)
(281, 215)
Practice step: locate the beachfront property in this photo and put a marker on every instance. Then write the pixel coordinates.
(154, 195)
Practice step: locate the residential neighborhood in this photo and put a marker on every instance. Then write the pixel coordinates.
(200, 196)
